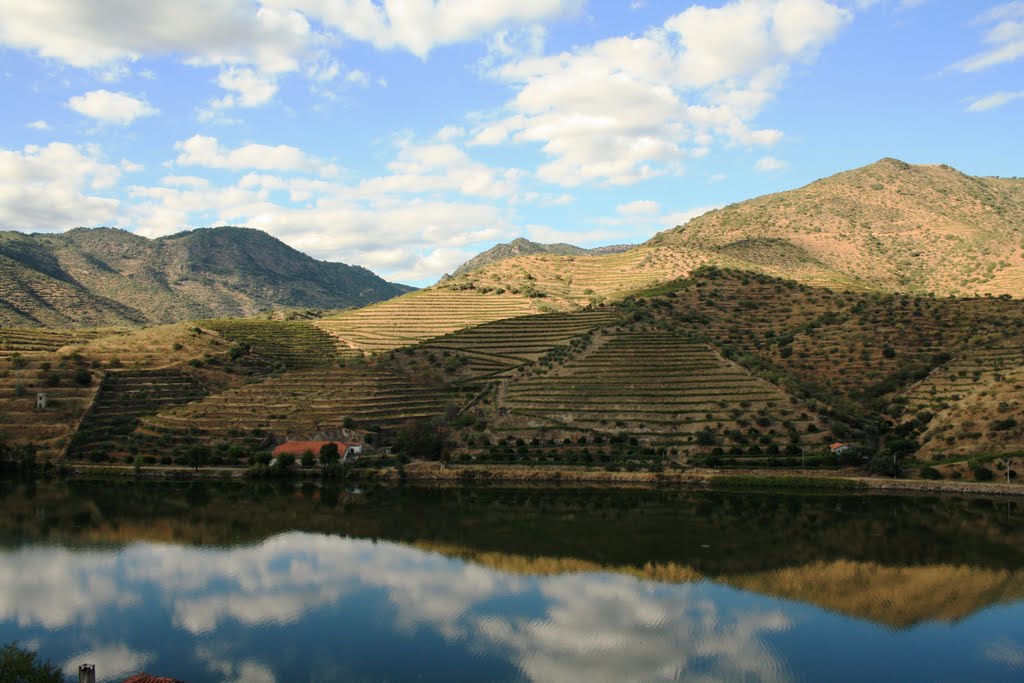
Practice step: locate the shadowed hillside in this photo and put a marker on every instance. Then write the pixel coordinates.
(105, 276)
(737, 369)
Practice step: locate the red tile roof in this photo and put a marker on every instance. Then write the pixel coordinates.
(837, 445)
(146, 678)
(297, 448)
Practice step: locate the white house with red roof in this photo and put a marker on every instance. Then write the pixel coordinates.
(346, 449)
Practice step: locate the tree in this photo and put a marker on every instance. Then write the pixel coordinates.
(197, 456)
(706, 437)
(285, 460)
(329, 454)
(22, 666)
(421, 439)
(307, 458)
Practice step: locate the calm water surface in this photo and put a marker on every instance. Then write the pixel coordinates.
(277, 582)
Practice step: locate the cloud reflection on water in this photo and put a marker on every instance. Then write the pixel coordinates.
(595, 626)
(118, 661)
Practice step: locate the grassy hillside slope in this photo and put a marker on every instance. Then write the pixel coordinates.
(104, 276)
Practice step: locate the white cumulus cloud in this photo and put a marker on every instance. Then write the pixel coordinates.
(251, 43)
(629, 108)
(206, 151)
(639, 207)
(111, 107)
(98, 34)
(421, 25)
(768, 164)
(55, 187)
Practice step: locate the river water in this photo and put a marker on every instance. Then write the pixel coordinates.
(291, 583)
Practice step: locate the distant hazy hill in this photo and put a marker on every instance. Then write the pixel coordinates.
(106, 276)
(524, 247)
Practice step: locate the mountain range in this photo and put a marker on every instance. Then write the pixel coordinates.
(107, 276)
(886, 227)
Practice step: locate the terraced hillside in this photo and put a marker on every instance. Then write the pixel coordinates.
(493, 350)
(861, 345)
(967, 373)
(735, 368)
(299, 403)
(123, 397)
(36, 340)
(69, 385)
(71, 367)
(667, 391)
(854, 353)
(422, 315)
(569, 281)
(724, 368)
(973, 405)
(293, 344)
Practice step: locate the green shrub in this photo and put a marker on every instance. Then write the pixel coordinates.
(929, 472)
(982, 473)
(706, 437)
(1003, 425)
(884, 464)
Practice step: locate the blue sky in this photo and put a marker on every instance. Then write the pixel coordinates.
(408, 135)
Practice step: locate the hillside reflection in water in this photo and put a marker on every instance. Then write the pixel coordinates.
(460, 584)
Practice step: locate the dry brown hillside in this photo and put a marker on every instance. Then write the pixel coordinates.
(890, 226)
